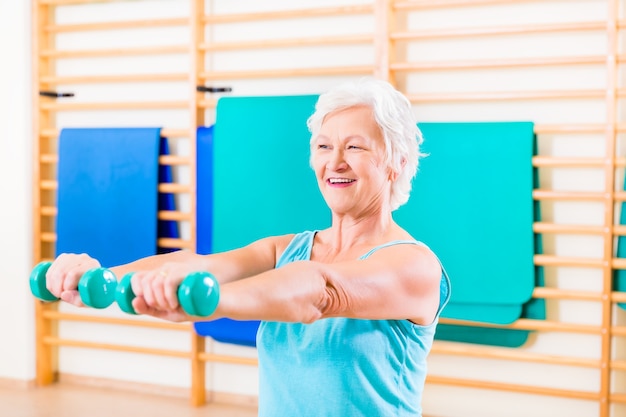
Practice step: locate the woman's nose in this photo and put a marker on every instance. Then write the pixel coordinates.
(337, 161)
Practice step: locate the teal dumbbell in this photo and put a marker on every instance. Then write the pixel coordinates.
(96, 287)
(198, 294)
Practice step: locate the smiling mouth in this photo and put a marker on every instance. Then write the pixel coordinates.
(340, 180)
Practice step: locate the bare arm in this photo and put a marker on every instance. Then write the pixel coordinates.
(232, 265)
(399, 282)
(64, 274)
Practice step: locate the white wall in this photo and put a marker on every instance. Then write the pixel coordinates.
(17, 359)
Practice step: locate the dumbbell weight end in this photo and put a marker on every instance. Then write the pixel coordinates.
(37, 282)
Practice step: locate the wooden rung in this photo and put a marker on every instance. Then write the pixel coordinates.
(551, 161)
(212, 357)
(136, 322)
(561, 294)
(163, 159)
(167, 187)
(48, 211)
(619, 230)
(531, 324)
(49, 185)
(175, 160)
(129, 24)
(618, 297)
(429, 4)
(618, 398)
(127, 78)
(287, 43)
(171, 187)
(56, 341)
(552, 260)
(497, 63)
(146, 50)
(177, 216)
(48, 237)
(51, 211)
(168, 133)
(618, 365)
(281, 73)
(620, 162)
(570, 128)
(489, 352)
(620, 196)
(287, 14)
(48, 158)
(141, 105)
(178, 133)
(503, 386)
(543, 227)
(506, 96)
(618, 263)
(497, 30)
(570, 195)
(618, 330)
(175, 243)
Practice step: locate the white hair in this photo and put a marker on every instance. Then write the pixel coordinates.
(393, 113)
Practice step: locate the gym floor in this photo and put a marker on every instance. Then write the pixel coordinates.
(69, 400)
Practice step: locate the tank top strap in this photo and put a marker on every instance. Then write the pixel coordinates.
(299, 249)
(391, 243)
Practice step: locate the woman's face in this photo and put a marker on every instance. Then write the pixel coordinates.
(348, 158)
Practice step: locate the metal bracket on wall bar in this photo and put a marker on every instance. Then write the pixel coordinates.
(54, 94)
(204, 89)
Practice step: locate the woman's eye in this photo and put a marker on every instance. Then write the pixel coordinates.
(354, 147)
(322, 146)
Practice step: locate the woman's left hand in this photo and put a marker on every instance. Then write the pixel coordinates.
(156, 291)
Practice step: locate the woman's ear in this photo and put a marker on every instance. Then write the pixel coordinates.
(393, 174)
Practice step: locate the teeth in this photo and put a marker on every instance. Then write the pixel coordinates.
(339, 180)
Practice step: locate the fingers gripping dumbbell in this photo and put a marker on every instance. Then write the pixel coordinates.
(96, 287)
(198, 294)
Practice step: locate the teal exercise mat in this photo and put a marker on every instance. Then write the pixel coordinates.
(533, 309)
(263, 182)
(472, 204)
(107, 194)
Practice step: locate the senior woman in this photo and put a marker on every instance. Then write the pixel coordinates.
(348, 313)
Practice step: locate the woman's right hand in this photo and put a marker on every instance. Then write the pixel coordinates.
(65, 272)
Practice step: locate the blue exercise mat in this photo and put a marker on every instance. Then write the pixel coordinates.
(204, 189)
(107, 193)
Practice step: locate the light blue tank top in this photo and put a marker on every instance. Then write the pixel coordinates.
(343, 367)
